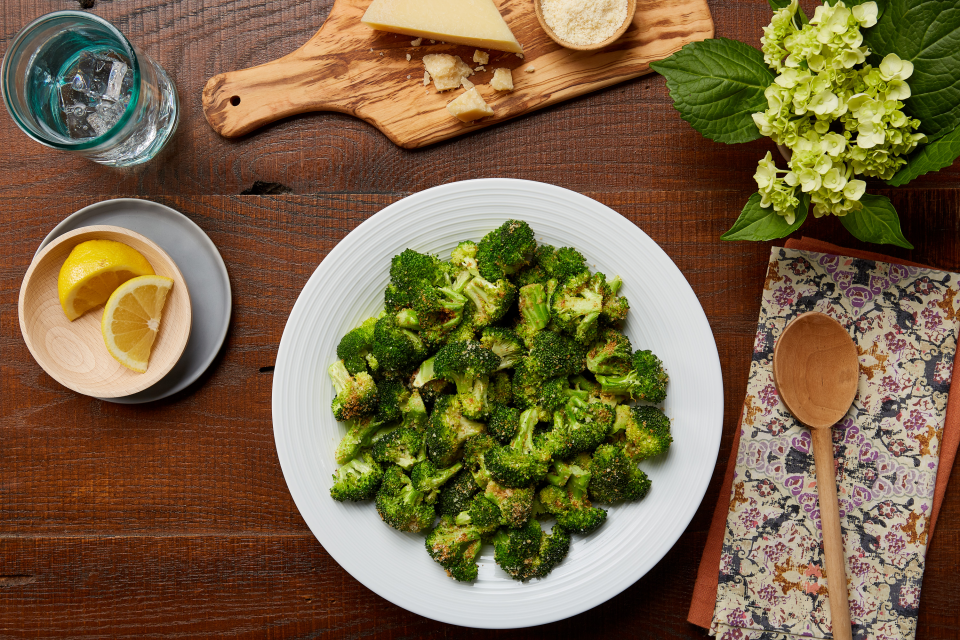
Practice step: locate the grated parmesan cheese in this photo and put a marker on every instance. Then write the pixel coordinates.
(584, 22)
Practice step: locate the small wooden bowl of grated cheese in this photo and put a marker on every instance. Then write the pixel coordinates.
(585, 25)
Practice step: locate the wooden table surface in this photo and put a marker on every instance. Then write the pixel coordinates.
(173, 519)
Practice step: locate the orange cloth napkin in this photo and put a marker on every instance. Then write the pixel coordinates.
(705, 589)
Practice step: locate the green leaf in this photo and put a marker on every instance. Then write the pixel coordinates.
(930, 157)
(877, 222)
(717, 85)
(927, 33)
(759, 223)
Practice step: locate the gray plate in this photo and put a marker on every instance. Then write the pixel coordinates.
(201, 266)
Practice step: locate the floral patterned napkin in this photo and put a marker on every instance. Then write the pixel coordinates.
(903, 320)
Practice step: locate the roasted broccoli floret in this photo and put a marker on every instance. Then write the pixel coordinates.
(516, 505)
(428, 478)
(355, 348)
(455, 547)
(569, 501)
(468, 365)
(391, 398)
(534, 304)
(561, 264)
(356, 395)
(646, 431)
(359, 435)
(395, 348)
(428, 383)
(504, 423)
(506, 250)
(579, 426)
(482, 514)
(448, 429)
(555, 355)
(646, 381)
(491, 299)
(438, 311)
(465, 256)
(528, 552)
(414, 412)
(357, 480)
(611, 354)
(615, 307)
(402, 446)
(400, 505)
(473, 452)
(577, 306)
(521, 463)
(505, 343)
(455, 495)
(409, 271)
(529, 275)
(501, 389)
(615, 477)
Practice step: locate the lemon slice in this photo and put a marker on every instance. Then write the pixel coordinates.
(131, 319)
(93, 270)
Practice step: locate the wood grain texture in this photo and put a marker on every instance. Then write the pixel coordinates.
(624, 138)
(350, 68)
(55, 342)
(174, 521)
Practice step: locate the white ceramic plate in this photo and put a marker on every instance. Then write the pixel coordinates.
(665, 316)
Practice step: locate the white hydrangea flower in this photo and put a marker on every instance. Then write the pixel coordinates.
(866, 14)
(893, 68)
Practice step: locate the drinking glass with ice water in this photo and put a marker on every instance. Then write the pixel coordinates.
(72, 81)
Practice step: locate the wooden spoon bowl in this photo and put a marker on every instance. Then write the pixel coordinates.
(73, 353)
(631, 10)
(816, 370)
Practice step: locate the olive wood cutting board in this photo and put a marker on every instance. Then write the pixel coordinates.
(349, 67)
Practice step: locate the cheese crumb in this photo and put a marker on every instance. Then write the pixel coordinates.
(416, 43)
(466, 84)
(502, 80)
(447, 71)
(519, 55)
(480, 68)
(481, 56)
(530, 69)
(584, 22)
(426, 78)
(381, 54)
(432, 41)
(408, 76)
(408, 57)
(469, 106)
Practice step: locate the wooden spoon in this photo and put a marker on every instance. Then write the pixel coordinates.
(631, 10)
(816, 370)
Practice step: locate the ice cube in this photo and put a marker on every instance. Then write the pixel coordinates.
(118, 71)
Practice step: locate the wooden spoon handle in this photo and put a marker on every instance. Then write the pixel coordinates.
(241, 101)
(832, 536)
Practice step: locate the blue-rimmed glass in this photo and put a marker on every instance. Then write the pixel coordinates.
(72, 81)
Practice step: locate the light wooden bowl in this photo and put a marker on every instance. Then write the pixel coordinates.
(631, 10)
(73, 353)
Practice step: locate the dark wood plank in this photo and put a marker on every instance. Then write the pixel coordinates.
(620, 139)
(174, 519)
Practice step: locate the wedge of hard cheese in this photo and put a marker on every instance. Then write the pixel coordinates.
(476, 23)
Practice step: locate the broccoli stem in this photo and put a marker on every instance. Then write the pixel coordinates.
(523, 441)
(534, 307)
(407, 319)
(615, 285)
(339, 375)
(425, 373)
(561, 473)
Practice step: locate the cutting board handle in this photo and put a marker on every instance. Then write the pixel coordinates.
(239, 102)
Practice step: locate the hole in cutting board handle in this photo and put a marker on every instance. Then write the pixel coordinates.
(235, 100)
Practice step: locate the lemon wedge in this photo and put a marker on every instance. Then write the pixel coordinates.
(131, 319)
(93, 270)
